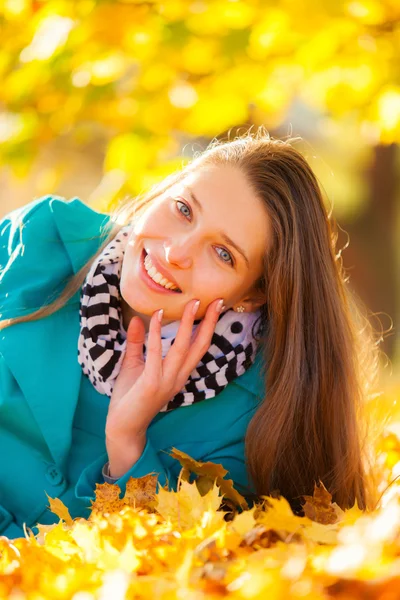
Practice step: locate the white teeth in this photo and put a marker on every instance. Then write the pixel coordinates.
(156, 276)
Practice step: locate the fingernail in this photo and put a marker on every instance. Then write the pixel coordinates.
(220, 306)
(160, 314)
(195, 306)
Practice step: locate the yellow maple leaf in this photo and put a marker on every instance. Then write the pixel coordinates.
(208, 473)
(88, 539)
(279, 517)
(43, 530)
(59, 543)
(107, 499)
(243, 522)
(237, 528)
(58, 507)
(321, 533)
(141, 491)
(186, 507)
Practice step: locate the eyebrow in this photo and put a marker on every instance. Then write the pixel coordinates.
(222, 233)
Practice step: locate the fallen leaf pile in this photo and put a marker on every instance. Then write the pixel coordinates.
(203, 541)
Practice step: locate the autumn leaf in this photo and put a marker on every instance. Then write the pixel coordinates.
(244, 521)
(319, 507)
(208, 472)
(279, 517)
(43, 530)
(141, 491)
(186, 507)
(321, 533)
(58, 508)
(107, 499)
(210, 469)
(59, 543)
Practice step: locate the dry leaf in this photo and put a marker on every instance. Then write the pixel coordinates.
(320, 508)
(209, 472)
(58, 508)
(141, 491)
(107, 499)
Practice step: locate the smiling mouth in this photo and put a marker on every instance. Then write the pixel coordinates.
(177, 291)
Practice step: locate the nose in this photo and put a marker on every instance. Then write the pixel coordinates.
(180, 253)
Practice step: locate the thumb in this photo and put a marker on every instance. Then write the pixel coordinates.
(134, 343)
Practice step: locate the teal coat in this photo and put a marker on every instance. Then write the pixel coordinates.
(52, 420)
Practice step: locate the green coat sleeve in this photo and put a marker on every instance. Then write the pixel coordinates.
(147, 463)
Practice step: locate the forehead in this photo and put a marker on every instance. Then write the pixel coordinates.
(223, 184)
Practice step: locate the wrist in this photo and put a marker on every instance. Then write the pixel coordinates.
(123, 453)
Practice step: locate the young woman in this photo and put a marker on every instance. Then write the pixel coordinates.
(114, 350)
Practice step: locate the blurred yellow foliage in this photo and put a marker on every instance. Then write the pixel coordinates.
(158, 70)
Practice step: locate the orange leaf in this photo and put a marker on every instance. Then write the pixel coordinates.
(319, 507)
(141, 491)
(211, 471)
(107, 499)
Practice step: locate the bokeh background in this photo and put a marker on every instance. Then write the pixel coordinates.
(102, 99)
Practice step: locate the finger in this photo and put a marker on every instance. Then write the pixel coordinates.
(176, 354)
(202, 340)
(153, 367)
(134, 343)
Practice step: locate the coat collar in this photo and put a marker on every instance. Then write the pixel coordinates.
(42, 354)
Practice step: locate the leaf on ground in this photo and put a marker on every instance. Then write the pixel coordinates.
(186, 507)
(212, 470)
(59, 542)
(243, 522)
(208, 472)
(141, 491)
(319, 506)
(107, 499)
(58, 508)
(279, 516)
(43, 530)
(321, 533)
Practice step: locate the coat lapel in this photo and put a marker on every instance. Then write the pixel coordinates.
(42, 354)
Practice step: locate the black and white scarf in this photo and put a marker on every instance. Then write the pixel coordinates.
(102, 339)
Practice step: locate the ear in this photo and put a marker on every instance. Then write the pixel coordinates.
(253, 300)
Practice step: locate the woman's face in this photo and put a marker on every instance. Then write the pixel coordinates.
(187, 241)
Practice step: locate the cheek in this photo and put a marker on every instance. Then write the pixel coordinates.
(210, 281)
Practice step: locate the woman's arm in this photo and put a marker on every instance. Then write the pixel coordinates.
(123, 454)
(167, 470)
(159, 462)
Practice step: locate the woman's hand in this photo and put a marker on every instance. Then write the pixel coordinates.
(143, 388)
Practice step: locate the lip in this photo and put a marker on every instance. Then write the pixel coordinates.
(149, 281)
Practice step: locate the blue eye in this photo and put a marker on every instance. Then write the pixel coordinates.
(183, 204)
(224, 249)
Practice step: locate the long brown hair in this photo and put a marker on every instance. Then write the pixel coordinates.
(319, 353)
